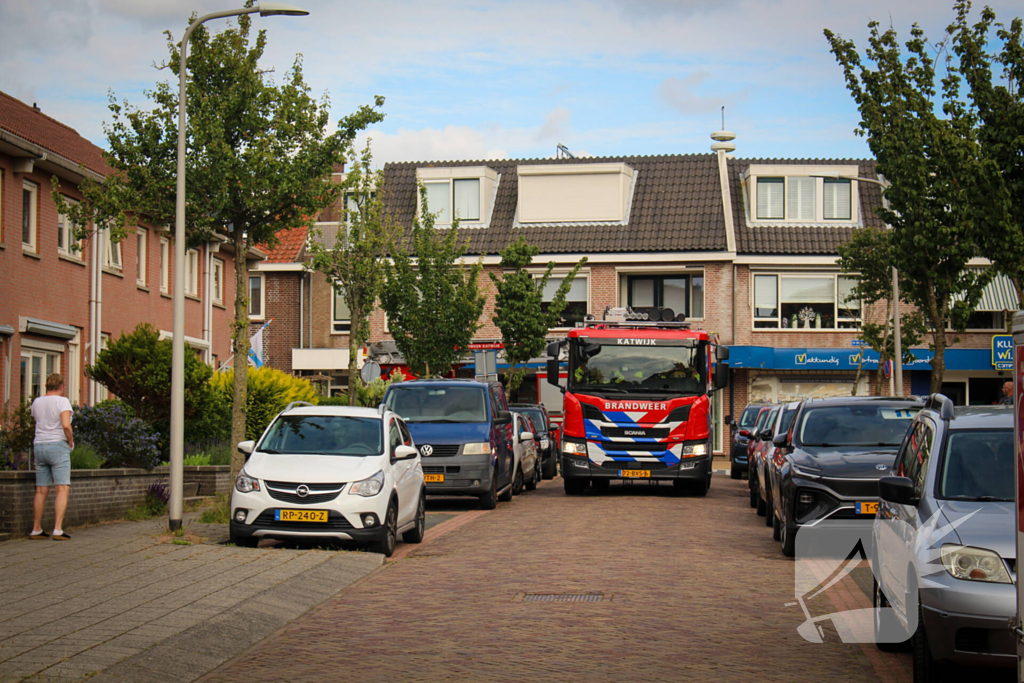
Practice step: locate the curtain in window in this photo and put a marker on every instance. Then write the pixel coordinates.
(836, 198)
(769, 198)
(643, 292)
(766, 296)
(341, 310)
(807, 290)
(439, 201)
(577, 290)
(674, 295)
(467, 199)
(848, 304)
(801, 199)
(697, 296)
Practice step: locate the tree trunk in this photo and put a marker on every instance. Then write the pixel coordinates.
(883, 353)
(354, 380)
(938, 320)
(240, 335)
(856, 378)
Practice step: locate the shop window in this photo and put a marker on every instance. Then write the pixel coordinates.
(823, 302)
(576, 301)
(682, 293)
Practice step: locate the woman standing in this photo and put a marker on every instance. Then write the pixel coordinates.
(52, 447)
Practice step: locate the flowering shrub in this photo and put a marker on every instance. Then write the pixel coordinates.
(120, 438)
(269, 391)
(17, 430)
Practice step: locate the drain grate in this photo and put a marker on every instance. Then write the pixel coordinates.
(563, 597)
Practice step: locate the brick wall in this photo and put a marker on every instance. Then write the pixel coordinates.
(282, 305)
(96, 495)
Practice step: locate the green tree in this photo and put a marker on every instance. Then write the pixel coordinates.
(352, 263)
(259, 160)
(997, 190)
(925, 158)
(869, 255)
(433, 299)
(518, 310)
(269, 392)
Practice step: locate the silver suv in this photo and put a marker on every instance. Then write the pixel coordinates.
(944, 553)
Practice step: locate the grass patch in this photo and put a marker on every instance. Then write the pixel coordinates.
(181, 541)
(85, 457)
(197, 460)
(219, 512)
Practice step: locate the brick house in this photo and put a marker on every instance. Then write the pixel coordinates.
(61, 301)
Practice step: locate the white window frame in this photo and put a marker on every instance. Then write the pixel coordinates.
(486, 178)
(263, 295)
(629, 274)
(33, 216)
(65, 234)
(821, 176)
(165, 265)
(101, 391)
(560, 273)
(218, 281)
(339, 325)
(141, 255)
(111, 251)
(192, 272)
(777, 319)
(43, 356)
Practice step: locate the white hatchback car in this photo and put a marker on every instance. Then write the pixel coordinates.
(526, 456)
(331, 472)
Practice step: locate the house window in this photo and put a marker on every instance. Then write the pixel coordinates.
(36, 366)
(111, 251)
(29, 198)
(66, 242)
(837, 196)
(461, 195)
(823, 302)
(770, 202)
(576, 301)
(165, 265)
(218, 281)
(256, 297)
(800, 199)
(682, 293)
(341, 316)
(192, 272)
(141, 253)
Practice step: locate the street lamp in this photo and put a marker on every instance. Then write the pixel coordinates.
(897, 362)
(265, 9)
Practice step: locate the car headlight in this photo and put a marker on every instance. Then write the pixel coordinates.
(806, 472)
(479, 448)
(246, 484)
(974, 564)
(693, 450)
(574, 448)
(370, 486)
(544, 443)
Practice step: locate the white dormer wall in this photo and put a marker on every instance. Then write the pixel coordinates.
(574, 193)
(792, 175)
(436, 177)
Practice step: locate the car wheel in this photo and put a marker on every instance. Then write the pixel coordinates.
(776, 527)
(575, 487)
(887, 626)
(489, 500)
(415, 534)
(535, 479)
(243, 541)
(762, 508)
(926, 670)
(551, 467)
(734, 472)
(787, 536)
(768, 507)
(515, 489)
(385, 545)
(753, 494)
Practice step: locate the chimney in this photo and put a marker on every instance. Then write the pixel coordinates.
(36, 107)
(722, 146)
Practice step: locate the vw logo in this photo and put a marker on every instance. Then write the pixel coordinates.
(881, 468)
(427, 450)
(302, 490)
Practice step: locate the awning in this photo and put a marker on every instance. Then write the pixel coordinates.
(998, 295)
(768, 358)
(47, 328)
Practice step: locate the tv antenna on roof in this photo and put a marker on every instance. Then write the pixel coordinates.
(562, 152)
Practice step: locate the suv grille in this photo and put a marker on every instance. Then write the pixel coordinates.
(335, 521)
(444, 451)
(441, 469)
(318, 493)
(854, 488)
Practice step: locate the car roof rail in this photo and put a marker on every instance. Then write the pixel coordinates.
(941, 404)
(296, 403)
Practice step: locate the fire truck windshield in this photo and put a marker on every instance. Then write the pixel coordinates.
(660, 369)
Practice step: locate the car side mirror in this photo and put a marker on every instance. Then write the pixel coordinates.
(246, 448)
(526, 436)
(504, 417)
(728, 421)
(781, 440)
(766, 435)
(404, 452)
(898, 490)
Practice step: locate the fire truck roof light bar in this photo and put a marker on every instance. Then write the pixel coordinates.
(634, 324)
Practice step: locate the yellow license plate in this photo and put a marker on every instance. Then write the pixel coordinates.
(867, 508)
(635, 474)
(300, 515)
(433, 478)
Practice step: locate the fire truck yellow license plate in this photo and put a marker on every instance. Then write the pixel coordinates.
(867, 508)
(301, 515)
(433, 478)
(635, 474)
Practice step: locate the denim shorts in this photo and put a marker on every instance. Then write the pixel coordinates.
(53, 463)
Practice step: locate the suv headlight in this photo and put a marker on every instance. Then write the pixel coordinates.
(574, 448)
(370, 486)
(479, 448)
(694, 450)
(246, 484)
(974, 564)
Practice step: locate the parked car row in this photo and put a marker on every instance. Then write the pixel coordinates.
(363, 474)
(938, 483)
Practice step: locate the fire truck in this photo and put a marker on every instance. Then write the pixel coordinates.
(637, 401)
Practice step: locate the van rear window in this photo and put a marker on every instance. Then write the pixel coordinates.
(439, 404)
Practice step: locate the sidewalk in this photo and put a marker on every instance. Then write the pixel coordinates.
(124, 602)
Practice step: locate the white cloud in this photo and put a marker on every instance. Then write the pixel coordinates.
(681, 95)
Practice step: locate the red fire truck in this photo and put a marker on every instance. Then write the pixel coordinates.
(637, 402)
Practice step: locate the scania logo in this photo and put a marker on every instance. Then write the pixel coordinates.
(427, 450)
(301, 490)
(635, 432)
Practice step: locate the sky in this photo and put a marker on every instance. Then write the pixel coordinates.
(476, 79)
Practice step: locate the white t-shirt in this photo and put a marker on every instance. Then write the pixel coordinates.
(46, 411)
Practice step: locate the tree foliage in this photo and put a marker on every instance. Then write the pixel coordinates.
(432, 297)
(353, 263)
(518, 310)
(269, 392)
(925, 157)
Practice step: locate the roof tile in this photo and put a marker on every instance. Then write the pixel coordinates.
(36, 127)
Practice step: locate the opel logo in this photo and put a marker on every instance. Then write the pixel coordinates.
(427, 450)
(302, 491)
(880, 467)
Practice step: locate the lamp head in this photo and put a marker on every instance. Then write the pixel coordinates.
(270, 9)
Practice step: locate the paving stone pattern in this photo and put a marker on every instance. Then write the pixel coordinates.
(693, 590)
(117, 600)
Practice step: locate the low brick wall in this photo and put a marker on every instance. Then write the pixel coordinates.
(96, 495)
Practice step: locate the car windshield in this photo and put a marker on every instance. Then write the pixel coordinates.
(787, 419)
(537, 417)
(748, 417)
(324, 435)
(425, 403)
(978, 465)
(865, 424)
(612, 368)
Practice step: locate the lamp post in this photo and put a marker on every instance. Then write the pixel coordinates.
(265, 9)
(896, 322)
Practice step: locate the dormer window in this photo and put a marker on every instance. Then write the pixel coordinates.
(801, 194)
(465, 193)
(575, 193)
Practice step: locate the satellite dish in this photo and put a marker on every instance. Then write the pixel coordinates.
(370, 371)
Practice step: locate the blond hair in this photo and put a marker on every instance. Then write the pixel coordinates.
(54, 381)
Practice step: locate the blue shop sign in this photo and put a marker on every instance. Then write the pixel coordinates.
(1002, 351)
(768, 358)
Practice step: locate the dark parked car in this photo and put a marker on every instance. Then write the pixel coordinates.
(755, 447)
(544, 438)
(773, 460)
(836, 452)
(740, 433)
(778, 423)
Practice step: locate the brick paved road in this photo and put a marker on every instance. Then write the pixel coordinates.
(694, 589)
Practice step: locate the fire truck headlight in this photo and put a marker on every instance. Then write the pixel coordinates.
(574, 448)
(694, 450)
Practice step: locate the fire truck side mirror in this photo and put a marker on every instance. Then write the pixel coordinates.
(722, 353)
(553, 371)
(721, 376)
(553, 349)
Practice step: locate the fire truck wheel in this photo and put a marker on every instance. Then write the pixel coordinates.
(699, 488)
(575, 487)
(601, 484)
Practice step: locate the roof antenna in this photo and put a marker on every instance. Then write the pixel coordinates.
(723, 138)
(562, 152)
(723, 117)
